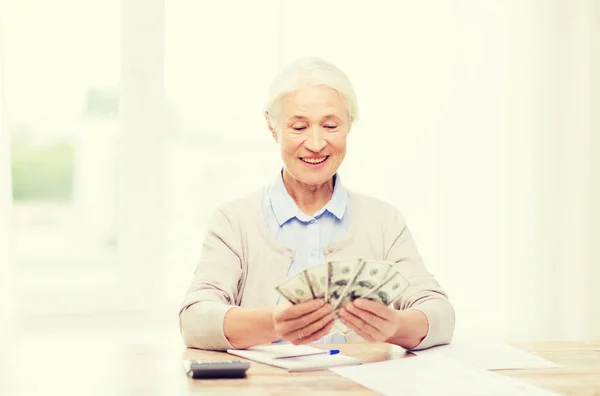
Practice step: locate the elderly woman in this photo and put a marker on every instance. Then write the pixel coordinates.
(304, 217)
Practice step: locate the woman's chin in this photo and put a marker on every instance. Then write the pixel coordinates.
(312, 176)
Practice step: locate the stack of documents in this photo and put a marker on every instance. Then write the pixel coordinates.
(488, 355)
(460, 368)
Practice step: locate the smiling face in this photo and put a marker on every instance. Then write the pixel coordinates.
(311, 129)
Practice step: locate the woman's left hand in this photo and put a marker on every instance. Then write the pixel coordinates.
(371, 320)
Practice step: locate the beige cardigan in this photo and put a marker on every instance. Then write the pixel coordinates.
(241, 263)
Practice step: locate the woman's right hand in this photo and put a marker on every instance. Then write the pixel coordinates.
(303, 323)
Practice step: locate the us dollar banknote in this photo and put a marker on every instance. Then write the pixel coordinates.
(295, 289)
(389, 290)
(317, 280)
(370, 274)
(339, 277)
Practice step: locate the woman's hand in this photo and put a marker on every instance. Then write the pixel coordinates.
(372, 321)
(303, 323)
(376, 322)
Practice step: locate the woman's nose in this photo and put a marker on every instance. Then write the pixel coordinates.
(315, 141)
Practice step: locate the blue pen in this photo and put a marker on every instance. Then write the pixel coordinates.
(329, 352)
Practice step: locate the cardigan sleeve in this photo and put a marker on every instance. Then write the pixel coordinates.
(214, 288)
(424, 292)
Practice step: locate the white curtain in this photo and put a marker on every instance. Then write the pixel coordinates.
(7, 306)
(514, 168)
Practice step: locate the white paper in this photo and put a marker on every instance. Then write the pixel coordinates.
(265, 354)
(434, 375)
(488, 355)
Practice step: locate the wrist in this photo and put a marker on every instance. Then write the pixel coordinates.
(413, 327)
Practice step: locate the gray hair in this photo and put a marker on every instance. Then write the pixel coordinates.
(310, 71)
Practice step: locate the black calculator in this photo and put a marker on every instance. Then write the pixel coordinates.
(198, 369)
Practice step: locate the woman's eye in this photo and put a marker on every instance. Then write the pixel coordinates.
(299, 128)
(330, 126)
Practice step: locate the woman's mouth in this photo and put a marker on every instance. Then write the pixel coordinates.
(314, 160)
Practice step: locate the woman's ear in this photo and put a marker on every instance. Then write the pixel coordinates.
(271, 127)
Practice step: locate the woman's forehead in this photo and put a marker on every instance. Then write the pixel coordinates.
(311, 102)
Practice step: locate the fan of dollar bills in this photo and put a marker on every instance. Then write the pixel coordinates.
(340, 281)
